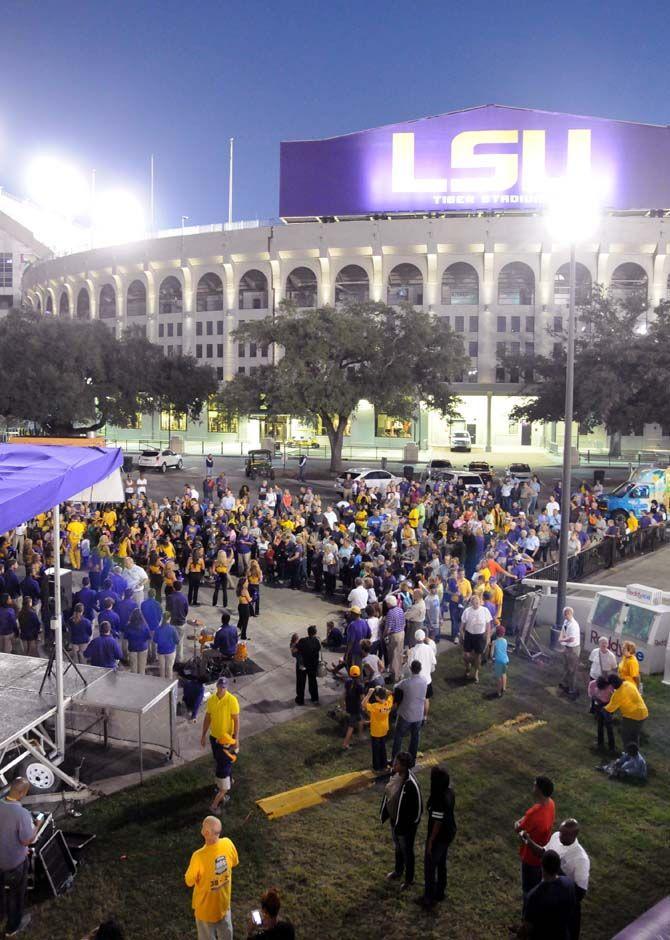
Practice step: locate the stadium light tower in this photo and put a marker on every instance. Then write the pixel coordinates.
(58, 186)
(117, 217)
(572, 215)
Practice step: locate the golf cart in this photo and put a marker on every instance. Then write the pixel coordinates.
(259, 463)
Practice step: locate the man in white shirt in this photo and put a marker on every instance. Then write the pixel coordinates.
(475, 634)
(358, 597)
(575, 862)
(602, 660)
(552, 507)
(331, 517)
(424, 652)
(570, 639)
(136, 578)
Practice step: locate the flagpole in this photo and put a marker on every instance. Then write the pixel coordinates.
(230, 182)
(151, 195)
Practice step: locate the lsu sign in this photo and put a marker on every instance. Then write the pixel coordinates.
(481, 158)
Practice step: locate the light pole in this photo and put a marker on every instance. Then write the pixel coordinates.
(572, 216)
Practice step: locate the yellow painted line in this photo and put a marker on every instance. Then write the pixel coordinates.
(313, 794)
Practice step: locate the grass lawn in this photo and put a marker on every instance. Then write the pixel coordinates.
(329, 862)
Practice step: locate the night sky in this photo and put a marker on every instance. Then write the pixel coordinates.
(106, 84)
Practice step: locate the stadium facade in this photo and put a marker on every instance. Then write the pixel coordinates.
(444, 212)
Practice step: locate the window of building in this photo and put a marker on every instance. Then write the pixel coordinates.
(515, 324)
(169, 350)
(558, 324)
(179, 329)
(515, 349)
(209, 295)
(219, 350)
(6, 269)
(459, 324)
(557, 351)
(49, 304)
(241, 350)
(161, 330)
(473, 350)
(530, 324)
(210, 328)
(6, 301)
(219, 373)
(629, 282)
(198, 328)
(198, 351)
(241, 370)
(583, 285)
(170, 329)
(301, 287)
(501, 324)
(170, 299)
(500, 373)
(460, 284)
(529, 348)
(516, 284)
(172, 421)
(405, 285)
(219, 327)
(132, 422)
(253, 291)
(388, 426)
(252, 350)
(264, 351)
(218, 421)
(474, 324)
(83, 305)
(352, 285)
(136, 300)
(107, 304)
(210, 350)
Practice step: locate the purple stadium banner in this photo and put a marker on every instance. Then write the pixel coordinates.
(485, 158)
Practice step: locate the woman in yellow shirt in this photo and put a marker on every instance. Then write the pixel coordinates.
(243, 606)
(255, 577)
(124, 550)
(222, 565)
(629, 667)
(195, 568)
(156, 567)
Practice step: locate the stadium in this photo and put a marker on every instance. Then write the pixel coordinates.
(442, 212)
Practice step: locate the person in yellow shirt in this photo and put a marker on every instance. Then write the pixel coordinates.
(378, 704)
(210, 874)
(631, 522)
(413, 517)
(222, 717)
(629, 667)
(496, 595)
(626, 699)
(75, 533)
(109, 519)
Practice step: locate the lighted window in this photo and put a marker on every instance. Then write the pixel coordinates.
(460, 284)
(405, 285)
(132, 423)
(219, 421)
(6, 269)
(209, 295)
(352, 285)
(253, 291)
(170, 296)
(516, 284)
(172, 421)
(388, 426)
(583, 285)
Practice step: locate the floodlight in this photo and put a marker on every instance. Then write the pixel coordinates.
(118, 216)
(574, 208)
(58, 186)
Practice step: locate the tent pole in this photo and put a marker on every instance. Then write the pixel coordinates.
(57, 627)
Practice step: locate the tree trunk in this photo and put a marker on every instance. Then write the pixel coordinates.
(615, 444)
(336, 438)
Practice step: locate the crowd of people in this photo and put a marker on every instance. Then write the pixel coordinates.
(415, 565)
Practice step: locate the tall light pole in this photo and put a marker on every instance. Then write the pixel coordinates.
(572, 215)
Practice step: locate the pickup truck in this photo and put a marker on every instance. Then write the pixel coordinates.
(636, 494)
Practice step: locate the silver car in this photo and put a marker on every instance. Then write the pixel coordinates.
(161, 460)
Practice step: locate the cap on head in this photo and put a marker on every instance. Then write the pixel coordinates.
(354, 672)
(420, 636)
(222, 682)
(355, 610)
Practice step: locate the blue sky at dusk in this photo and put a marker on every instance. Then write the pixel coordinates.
(107, 84)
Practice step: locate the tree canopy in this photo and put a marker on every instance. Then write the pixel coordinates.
(329, 359)
(621, 369)
(68, 376)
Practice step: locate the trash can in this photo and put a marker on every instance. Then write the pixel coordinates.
(408, 472)
(128, 462)
(598, 476)
(384, 462)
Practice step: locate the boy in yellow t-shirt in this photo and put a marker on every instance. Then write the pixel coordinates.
(378, 704)
(210, 874)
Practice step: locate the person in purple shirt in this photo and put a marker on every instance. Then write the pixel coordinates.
(30, 588)
(104, 650)
(124, 609)
(8, 626)
(357, 630)
(138, 635)
(12, 583)
(88, 597)
(110, 616)
(117, 581)
(177, 607)
(105, 593)
(80, 631)
(153, 614)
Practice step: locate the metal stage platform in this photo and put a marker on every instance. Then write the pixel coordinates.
(136, 710)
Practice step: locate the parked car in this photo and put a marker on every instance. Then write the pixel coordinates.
(434, 466)
(303, 442)
(519, 471)
(162, 460)
(461, 440)
(472, 481)
(380, 479)
(259, 463)
(484, 469)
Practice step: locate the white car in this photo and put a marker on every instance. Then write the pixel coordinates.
(472, 481)
(161, 460)
(461, 440)
(519, 471)
(379, 479)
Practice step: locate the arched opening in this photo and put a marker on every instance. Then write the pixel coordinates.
(83, 305)
(516, 285)
(136, 300)
(405, 285)
(209, 295)
(629, 282)
(460, 284)
(352, 285)
(301, 287)
(64, 305)
(170, 299)
(49, 308)
(107, 303)
(583, 285)
(38, 305)
(253, 291)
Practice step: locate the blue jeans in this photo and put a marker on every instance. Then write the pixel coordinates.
(401, 728)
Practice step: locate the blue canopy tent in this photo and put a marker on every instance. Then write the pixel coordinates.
(36, 478)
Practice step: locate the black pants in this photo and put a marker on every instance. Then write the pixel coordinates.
(13, 894)
(303, 676)
(379, 756)
(435, 872)
(243, 619)
(331, 583)
(404, 852)
(156, 582)
(193, 587)
(531, 876)
(221, 584)
(605, 725)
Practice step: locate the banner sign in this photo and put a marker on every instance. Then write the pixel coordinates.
(488, 158)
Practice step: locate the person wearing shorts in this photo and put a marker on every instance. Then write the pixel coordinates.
(475, 634)
(500, 658)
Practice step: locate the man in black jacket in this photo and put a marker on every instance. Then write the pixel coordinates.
(309, 652)
(403, 806)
